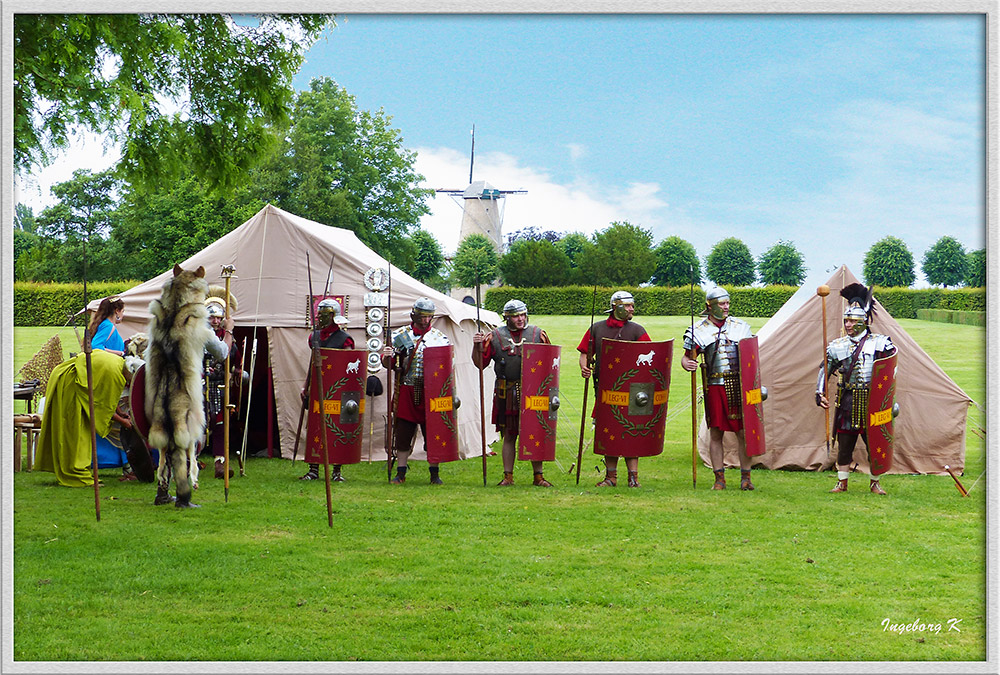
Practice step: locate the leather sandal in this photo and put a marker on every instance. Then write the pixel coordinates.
(633, 479)
(610, 479)
(841, 486)
(508, 479)
(745, 483)
(720, 479)
(540, 481)
(876, 488)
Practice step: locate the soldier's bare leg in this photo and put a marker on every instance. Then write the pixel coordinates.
(715, 448)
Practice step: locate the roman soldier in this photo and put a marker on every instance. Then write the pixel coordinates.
(328, 335)
(503, 346)
(618, 326)
(715, 338)
(404, 354)
(215, 373)
(851, 357)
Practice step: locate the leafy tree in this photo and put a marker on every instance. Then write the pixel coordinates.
(572, 244)
(114, 75)
(347, 168)
(782, 264)
(676, 263)
(621, 255)
(888, 263)
(156, 229)
(429, 257)
(945, 262)
(535, 263)
(73, 229)
(24, 242)
(24, 218)
(475, 262)
(730, 264)
(975, 274)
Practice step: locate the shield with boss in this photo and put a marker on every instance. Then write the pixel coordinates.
(634, 386)
(337, 406)
(539, 404)
(752, 396)
(880, 414)
(440, 405)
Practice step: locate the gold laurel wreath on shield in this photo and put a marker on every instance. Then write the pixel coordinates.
(444, 413)
(341, 435)
(629, 427)
(549, 431)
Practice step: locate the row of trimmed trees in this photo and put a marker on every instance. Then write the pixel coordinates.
(624, 255)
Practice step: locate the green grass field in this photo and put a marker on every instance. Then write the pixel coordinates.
(465, 573)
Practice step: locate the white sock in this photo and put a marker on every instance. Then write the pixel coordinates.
(842, 475)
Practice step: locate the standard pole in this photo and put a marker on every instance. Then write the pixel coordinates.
(482, 394)
(227, 272)
(822, 292)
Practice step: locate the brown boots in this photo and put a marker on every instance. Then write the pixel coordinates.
(876, 488)
(720, 479)
(633, 479)
(540, 480)
(745, 483)
(841, 485)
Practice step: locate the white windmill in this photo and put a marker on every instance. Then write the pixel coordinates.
(482, 213)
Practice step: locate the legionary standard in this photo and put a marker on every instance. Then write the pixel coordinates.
(539, 402)
(881, 412)
(751, 396)
(337, 407)
(632, 400)
(440, 404)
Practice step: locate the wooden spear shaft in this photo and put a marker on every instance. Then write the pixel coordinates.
(227, 272)
(482, 395)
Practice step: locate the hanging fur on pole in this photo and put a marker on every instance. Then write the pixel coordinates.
(179, 332)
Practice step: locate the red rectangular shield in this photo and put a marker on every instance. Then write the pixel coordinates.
(631, 406)
(750, 396)
(439, 405)
(341, 392)
(879, 417)
(536, 436)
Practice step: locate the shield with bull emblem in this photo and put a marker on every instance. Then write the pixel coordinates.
(880, 418)
(536, 439)
(440, 405)
(751, 396)
(337, 406)
(634, 385)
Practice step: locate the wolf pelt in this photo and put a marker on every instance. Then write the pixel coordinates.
(178, 333)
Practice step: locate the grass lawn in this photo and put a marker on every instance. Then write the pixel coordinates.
(460, 572)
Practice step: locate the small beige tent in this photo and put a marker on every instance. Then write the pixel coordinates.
(930, 431)
(271, 286)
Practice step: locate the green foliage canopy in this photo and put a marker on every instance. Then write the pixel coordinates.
(114, 75)
(429, 257)
(945, 262)
(975, 274)
(621, 255)
(782, 264)
(532, 263)
(888, 263)
(676, 263)
(475, 262)
(730, 263)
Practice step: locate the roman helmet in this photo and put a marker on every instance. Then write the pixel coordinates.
(514, 308)
(216, 301)
(422, 307)
(618, 301)
(712, 299)
(860, 305)
(328, 312)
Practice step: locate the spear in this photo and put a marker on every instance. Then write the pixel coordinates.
(227, 272)
(318, 380)
(482, 395)
(586, 385)
(958, 483)
(393, 385)
(694, 400)
(90, 394)
(822, 292)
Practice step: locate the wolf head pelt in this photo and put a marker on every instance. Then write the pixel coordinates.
(178, 332)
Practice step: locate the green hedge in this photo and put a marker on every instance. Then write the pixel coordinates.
(649, 301)
(902, 303)
(953, 316)
(41, 304)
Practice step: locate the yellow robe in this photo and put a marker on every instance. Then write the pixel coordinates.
(64, 443)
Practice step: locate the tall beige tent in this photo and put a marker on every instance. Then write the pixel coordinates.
(271, 286)
(930, 430)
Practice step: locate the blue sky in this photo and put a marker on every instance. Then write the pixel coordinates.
(831, 131)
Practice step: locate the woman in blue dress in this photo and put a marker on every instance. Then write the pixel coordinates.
(104, 335)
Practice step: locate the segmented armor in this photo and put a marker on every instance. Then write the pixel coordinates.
(853, 383)
(404, 338)
(718, 345)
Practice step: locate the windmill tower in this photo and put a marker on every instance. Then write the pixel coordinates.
(482, 213)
